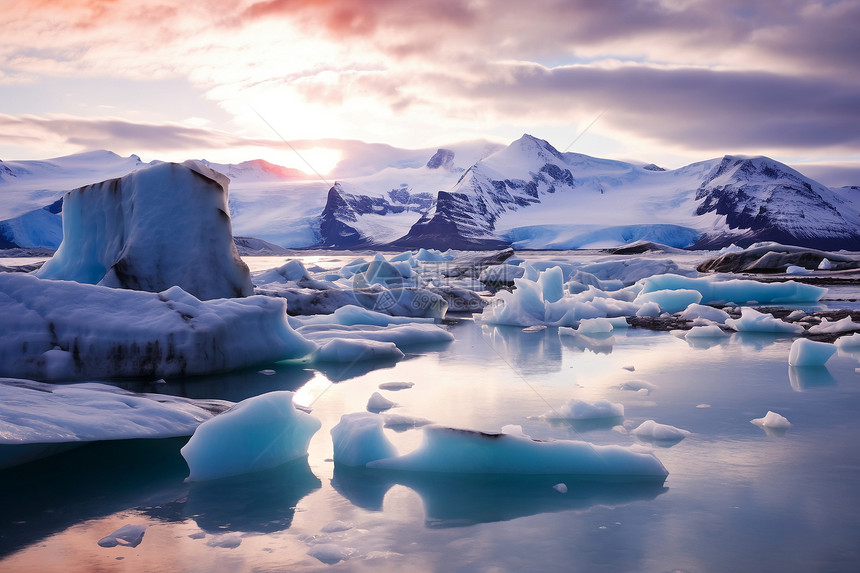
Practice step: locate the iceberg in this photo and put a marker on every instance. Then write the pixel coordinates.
(257, 434)
(772, 421)
(61, 330)
(736, 290)
(161, 226)
(650, 430)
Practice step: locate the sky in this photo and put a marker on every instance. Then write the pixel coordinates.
(663, 81)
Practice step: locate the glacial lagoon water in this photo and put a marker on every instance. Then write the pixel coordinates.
(737, 498)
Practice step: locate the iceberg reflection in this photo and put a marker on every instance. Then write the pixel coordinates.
(460, 500)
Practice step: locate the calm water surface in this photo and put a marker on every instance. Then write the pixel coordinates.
(737, 498)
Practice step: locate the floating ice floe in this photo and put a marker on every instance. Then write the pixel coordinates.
(705, 331)
(256, 434)
(805, 352)
(379, 403)
(704, 312)
(582, 410)
(772, 421)
(124, 233)
(66, 330)
(403, 336)
(396, 385)
(846, 342)
(360, 442)
(835, 327)
(356, 350)
(650, 430)
(38, 419)
(753, 321)
(127, 536)
(735, 290)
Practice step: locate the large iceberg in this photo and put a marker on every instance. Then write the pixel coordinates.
(65, 330)
(162, 226)
(360, 442)
(256, 434)
(736, 290)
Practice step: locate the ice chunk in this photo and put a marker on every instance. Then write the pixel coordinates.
(735, 290)
(581, 410)
(330, 553)
(346, 350)
(432, 255)
(100, 332)
(652, 431)
(535, 328)
(292, 270)
(670, 301)
(825, 265)
(379, 403)
(161, 226)
(753, 321)
(560, 487)
(595, 326)
(449, 450)
(43, 415)
(551, 282)
(847, 342)
(358, 439)
(501, 274)
(403, 336)
(637, 385)
(705, 331)
(805, 352)
(835, 327)
(648, 310)
(351, 315)
(796, 270)
(256, 434)
(396, 385)
(705, 312)
(772, 421)
(513, 430)
(127, 535)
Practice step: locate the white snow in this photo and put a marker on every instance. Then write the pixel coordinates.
(753, 321)
(258, 433)
(651, 430)
(805, 352)
(163, 226)
(379, 403)
(360, 442)
(68, 330)
(127, 536)
(582, 410)
(772, 421)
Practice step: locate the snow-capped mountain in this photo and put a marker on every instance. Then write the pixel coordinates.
(528, 195)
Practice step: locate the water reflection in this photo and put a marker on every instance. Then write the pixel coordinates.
(43, 497)
(757, 340)
(262, 502)
(803, 378)
(579, 426)
(340, 372)
(459, 500)
(542, 350)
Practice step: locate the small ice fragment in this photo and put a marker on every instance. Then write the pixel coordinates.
(379, 403)
(227, 541)
(805, 352)
(825, 264)
(535, 328)
(772, 421)
(396, 385)
(852, 341)
(267, 372)
(651, 430)
(513, 430)
(330, 553)
(630, 368)
(560, 487)
(336, 526)
(636, 385)
(703, 406)
(198, 535)
(160, 381)
(796, 270)
(127, 535)
(795, 315)
(581, 410)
